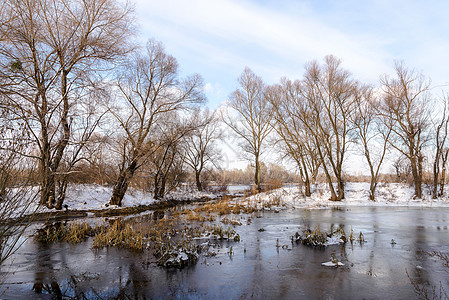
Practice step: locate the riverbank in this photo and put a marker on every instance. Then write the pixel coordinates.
(92, 200)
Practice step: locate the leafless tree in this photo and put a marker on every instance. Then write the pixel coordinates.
(150, 90)
(444, 157)
(200, 145)
(371, 132)
(401, 166)
(441, 152)
(329, 94)
(254, 115)
(288, 103)
(166, 162)
(51, 51)
(405, 109)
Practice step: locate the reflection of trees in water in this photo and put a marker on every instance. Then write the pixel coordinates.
(45, 280)
(134, 286)
(130, 280)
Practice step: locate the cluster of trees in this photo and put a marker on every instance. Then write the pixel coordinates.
(77, 91)
(316, 120)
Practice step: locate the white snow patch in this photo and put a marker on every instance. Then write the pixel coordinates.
(332, 264)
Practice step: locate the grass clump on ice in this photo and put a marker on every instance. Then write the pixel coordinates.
(74, 232)
(120, 234)
(318, 238)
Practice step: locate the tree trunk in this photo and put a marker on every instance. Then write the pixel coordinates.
(156, 186)
(257, 175)
(62, 192)
(47, 188)
(372, 188)
(307, 189)
(436, 171)
(62, 144)
(121, 185)
(306, 180)
(162, 189)
(331, 186)
(444, 157)
(442, 181)
(47, 185)
(199, 186)
(333, 194)
(159, 186)
(340, 189)
(417, 179)
(328, 177)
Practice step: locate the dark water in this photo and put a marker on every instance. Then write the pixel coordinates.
(258, 269)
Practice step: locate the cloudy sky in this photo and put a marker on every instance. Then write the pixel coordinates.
(218, 38)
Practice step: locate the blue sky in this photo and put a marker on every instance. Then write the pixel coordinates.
(217, 39)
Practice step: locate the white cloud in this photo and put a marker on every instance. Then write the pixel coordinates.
(218, 38)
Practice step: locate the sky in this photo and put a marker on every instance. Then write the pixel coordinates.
(218, 39)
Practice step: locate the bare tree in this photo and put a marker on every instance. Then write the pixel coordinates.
(402, 168)
(441, 153)
(166, 162)
(287, 103)
(404, 108)
(51, 50)
(372, 133)
(444, 157)
(329, 94)
(253, 119)
(200, 147)
(150, 90)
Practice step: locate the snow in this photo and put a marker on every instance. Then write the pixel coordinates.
(335, 239)
(356, 194)
(332, 264)
(87, 197)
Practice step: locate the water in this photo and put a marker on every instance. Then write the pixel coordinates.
(376, 269)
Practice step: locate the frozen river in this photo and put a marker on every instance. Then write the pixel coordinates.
(376, 269)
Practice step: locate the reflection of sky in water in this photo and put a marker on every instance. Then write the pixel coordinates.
(376, 268)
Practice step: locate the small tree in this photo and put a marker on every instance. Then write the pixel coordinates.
(200, 147)
(440, 141)
(371, 133)
(252, 122)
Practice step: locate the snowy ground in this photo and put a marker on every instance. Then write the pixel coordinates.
(356, 194)
(87, 197)
(96, 197)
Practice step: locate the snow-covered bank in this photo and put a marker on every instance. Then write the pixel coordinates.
(96, 197)
(87, 197)
(356, 194)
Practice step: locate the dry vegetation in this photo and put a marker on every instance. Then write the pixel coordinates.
(169, 236)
